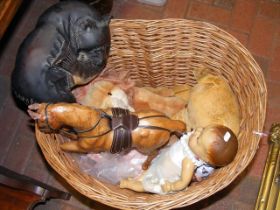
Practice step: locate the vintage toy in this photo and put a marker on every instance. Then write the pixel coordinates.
(108, 94)
(144, 99)
(197, 152)
(126, 95)
(113, 130)
(68, 47)
(212, 101)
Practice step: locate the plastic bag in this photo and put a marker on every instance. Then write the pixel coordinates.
(111, 168)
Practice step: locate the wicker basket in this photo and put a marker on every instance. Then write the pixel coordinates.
(165, 53)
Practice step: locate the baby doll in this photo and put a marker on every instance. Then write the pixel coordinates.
(172, 170)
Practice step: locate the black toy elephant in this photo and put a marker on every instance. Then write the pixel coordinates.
(68, 47)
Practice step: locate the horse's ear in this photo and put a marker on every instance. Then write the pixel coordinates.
(201, 72)
(34, 106)
(105, 21)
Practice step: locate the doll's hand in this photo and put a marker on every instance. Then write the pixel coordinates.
(123, 183)
(167, 187)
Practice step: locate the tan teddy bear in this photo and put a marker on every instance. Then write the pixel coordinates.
(212, 101)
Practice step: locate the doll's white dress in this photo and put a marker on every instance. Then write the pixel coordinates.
(167, 166)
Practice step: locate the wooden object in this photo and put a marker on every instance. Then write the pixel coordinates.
(269, 193)
(166, 53)
(8, 9)
(21, 192)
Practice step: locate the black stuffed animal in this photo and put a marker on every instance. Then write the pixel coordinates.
(69, 46)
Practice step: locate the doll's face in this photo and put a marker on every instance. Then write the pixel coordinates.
(199, 142)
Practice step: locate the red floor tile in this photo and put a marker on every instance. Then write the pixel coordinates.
(210, 13)
(57, 181)
(269, 9)
(19, 153)
(37, 166)
(7, 62)
(226, 4)
(132, 10)
(273, 94)
(176, 9)
(205, 1)
(256, 167)
(262, 36)
(248, 184)
(4, 83)
(27, 127)
(243, 15)
(11, 118)
(241, 36)
(274, 70)
(274, 75)
(264, 64)
(272, 116)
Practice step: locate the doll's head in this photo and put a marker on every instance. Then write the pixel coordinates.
(215, 144)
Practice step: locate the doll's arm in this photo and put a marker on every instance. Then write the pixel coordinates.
(186, 177)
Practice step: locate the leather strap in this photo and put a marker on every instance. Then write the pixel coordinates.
(122, 123)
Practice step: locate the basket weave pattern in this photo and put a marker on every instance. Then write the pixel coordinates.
(166, 53)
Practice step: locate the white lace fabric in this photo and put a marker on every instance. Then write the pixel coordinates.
(167, 166)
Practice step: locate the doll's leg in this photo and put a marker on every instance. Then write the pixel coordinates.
(183, 182)
(134, 185)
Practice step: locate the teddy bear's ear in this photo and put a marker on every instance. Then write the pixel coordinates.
(201, 72)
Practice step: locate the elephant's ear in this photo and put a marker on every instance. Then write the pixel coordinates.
(105, 20)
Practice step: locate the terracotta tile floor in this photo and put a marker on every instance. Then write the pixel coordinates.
(256, 23)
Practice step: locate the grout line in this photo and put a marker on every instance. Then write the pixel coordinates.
(13, 139)
(187, 9)
(28, 158)
(186, 15)
(231, 15)
(253, 25)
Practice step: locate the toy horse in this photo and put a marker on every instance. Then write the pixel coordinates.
(113, 130)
